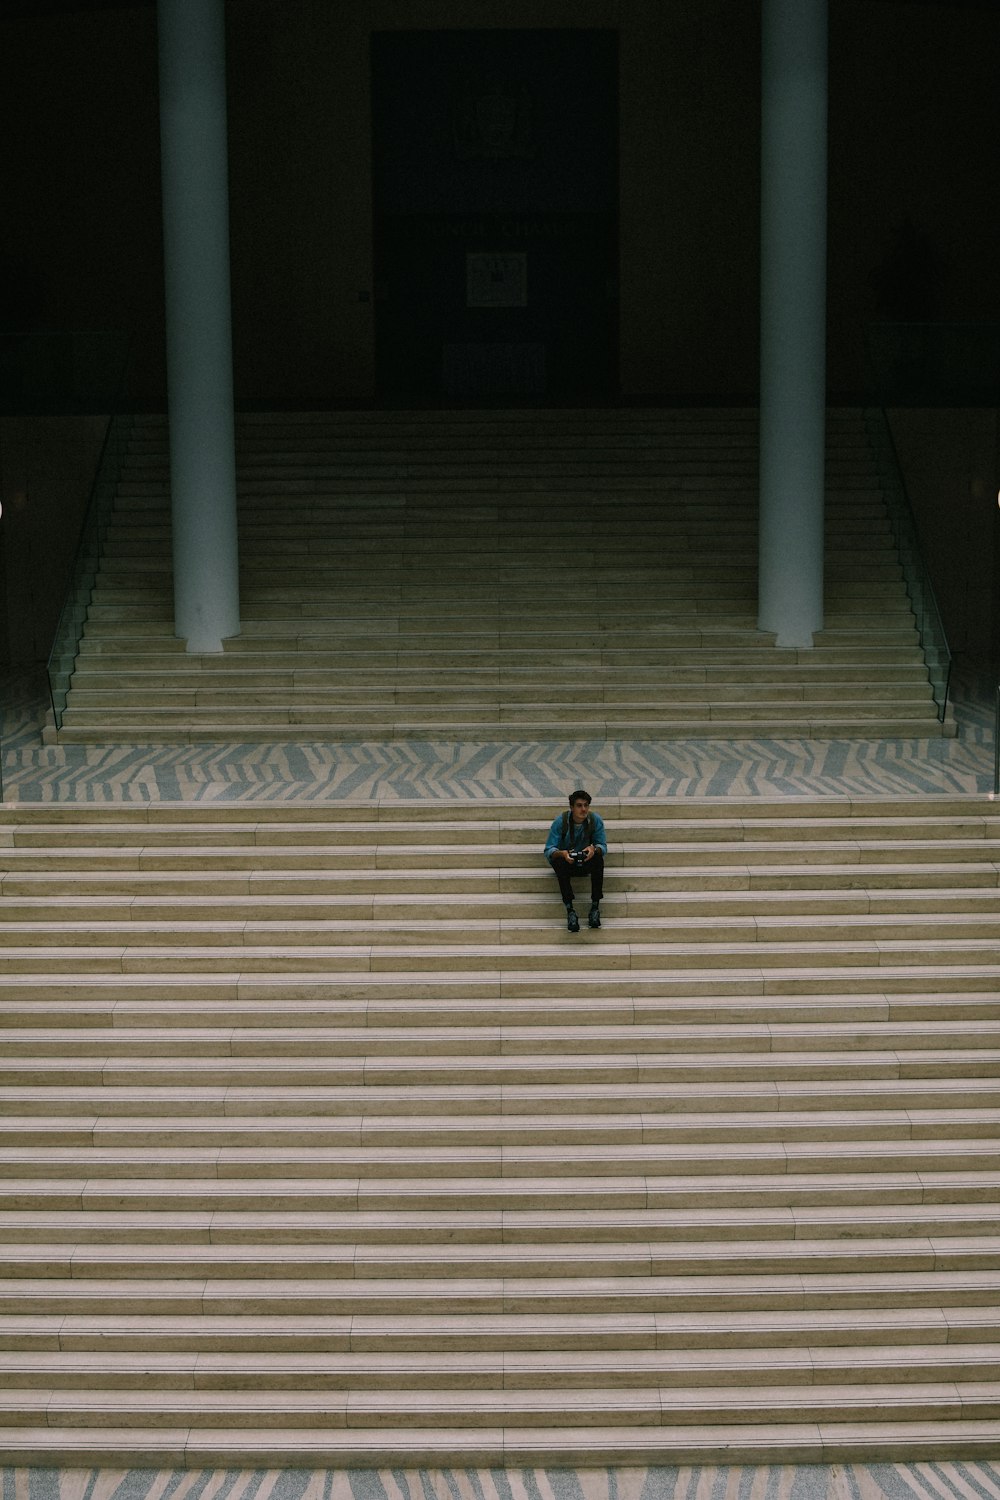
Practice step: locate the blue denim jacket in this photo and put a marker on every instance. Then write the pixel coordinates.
(576, 835)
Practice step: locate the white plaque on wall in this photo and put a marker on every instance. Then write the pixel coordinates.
(496, 280)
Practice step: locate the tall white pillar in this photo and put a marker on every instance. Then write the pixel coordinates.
(793, 318)
(193, 143)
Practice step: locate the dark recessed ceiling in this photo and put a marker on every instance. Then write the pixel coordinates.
(30, 10)
(25, 10)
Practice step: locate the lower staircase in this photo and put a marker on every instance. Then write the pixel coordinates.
(483, 576)
(324, 1143)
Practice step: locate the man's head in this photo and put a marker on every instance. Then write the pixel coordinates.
(579, 804)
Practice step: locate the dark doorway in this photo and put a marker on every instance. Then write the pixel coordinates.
(496, 215)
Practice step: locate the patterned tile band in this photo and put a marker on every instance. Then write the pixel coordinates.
(33, 772)
(876, 1481)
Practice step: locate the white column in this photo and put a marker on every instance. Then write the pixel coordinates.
(792, 318)
(193, 147)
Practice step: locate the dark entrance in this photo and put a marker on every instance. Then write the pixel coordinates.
(496, 215)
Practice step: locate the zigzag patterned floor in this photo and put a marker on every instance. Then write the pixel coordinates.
(33, 772)
(917, 1481)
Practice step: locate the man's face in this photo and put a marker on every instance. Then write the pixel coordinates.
(581, 808)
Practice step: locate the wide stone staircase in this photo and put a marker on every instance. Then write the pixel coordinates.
(323, 1142)
(507, 575)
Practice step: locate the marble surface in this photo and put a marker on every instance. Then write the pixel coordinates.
(37, 773)
(876, 1481)
(327, 771)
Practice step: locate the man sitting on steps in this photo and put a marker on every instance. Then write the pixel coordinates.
(577, 845)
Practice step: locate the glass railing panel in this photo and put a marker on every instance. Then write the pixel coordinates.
(71, 375)
(925, 364)
(920, 591)
(73, 617)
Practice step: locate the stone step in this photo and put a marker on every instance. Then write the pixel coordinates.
(496, 1296)
(36, 1061)
(318, 700)
(174, 1192)
(687, 889)
(492, 1369)
(35, 1002)
(676, 1443)
(549, 1227)
(128, 730)
(646, 1048)
(659, 848)
(317, 1116)
(426, 951)
(309, 1147)
(308, 653)
(376, 1410)
(330, 1265)
(384, 924)
(95, 670)
(972, 911)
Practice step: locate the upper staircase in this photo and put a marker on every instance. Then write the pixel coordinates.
(484, 576)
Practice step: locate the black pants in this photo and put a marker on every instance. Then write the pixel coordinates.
(594, 867)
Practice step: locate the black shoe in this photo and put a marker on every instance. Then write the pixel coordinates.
(572, 920)
(594, 917)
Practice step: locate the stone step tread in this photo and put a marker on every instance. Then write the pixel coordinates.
(502, 1294)
(616, 1225)
(483, 828)
(307, 653)
(37, 1113)
(43, 902)
(824, 1330)
(34, 1000)
(877, 639)
(346, 1112)
(101, 681)
(288, 1261)
(483, 831)
(682, 1442)
(498, 958)
(30, 1083)
(631, 1407)
(539, 1041)
(953, 1068)
(508, 1170)
(896, 982)
(684, 890)
(166, 699)
(776, 664)
(623, 937)
(834, 1191)
(903, 1364)
(357, 854)
(754, 865)
(108, 730)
